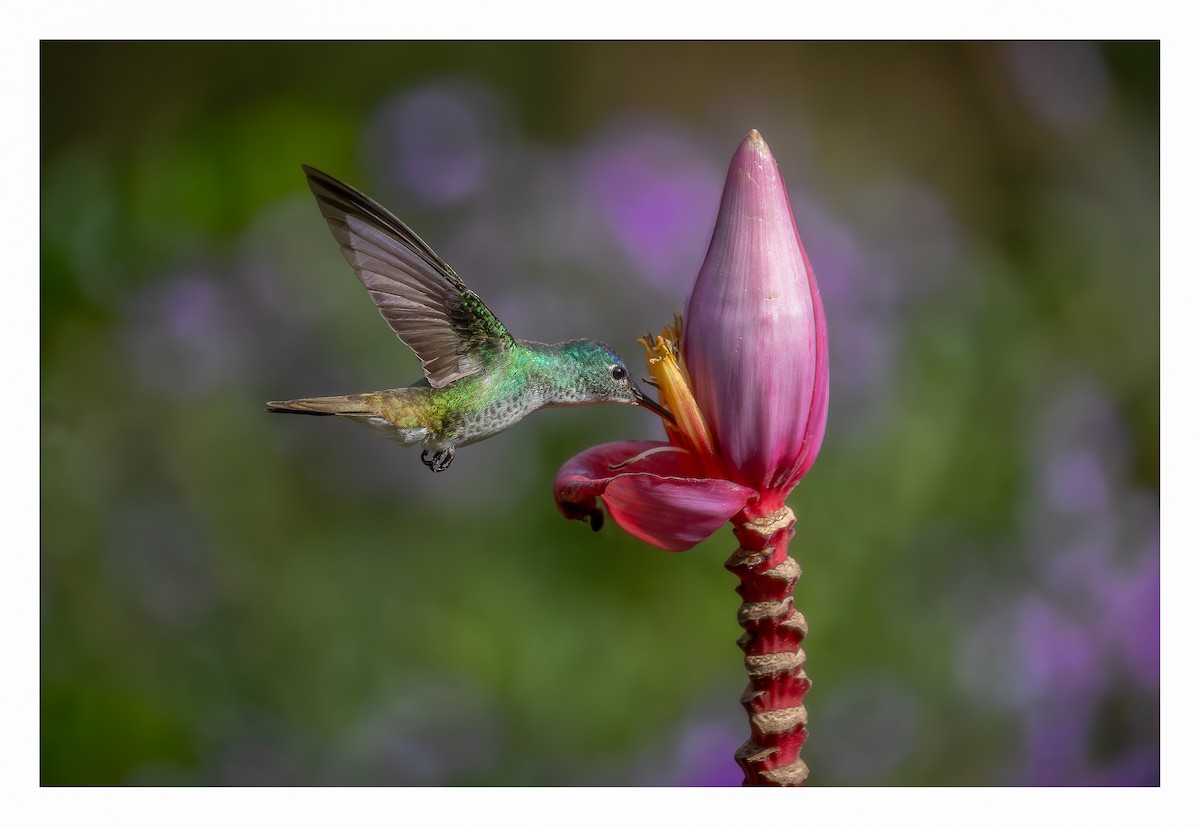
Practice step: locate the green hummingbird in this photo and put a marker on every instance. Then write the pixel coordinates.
(478, 380)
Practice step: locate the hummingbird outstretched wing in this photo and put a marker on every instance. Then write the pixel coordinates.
(423, 300)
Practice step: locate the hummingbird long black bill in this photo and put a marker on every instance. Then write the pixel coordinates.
(647, 402)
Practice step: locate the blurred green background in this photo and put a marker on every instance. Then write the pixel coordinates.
(233, 598)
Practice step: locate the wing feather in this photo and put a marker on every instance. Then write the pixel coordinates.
(421, 298)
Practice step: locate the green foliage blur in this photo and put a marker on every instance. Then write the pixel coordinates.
(229, 597)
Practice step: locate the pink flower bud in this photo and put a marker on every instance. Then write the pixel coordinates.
(754, 340)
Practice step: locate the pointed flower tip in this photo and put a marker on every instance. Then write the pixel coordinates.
(753, 142)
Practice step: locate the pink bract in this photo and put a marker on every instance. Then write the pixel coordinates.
(754, 339)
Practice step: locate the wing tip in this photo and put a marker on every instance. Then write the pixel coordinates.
(319, 181)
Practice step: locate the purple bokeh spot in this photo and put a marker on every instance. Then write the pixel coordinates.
(1075, 483)
(1097, 624)
(658, 194)
(864, 354)
(705, 757)
(843, 272)
(1064, 84)
(184, 336)
(1058, 734)
(911, 236)
(1078, 453)
(190, 305)
(1082, 415)
(438, 142)
(859, 302)
(1060, 655)
(1054, 737)
(1135, 616)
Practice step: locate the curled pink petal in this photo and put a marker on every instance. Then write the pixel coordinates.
(651, 489)
(674, 513)
(584, 476)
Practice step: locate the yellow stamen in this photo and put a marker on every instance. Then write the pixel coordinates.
(669, 375)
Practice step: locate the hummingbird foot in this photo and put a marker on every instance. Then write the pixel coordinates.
(439, 461)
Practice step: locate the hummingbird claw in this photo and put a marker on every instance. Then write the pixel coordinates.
(439, 461)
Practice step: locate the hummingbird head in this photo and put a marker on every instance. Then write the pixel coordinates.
(604, 377)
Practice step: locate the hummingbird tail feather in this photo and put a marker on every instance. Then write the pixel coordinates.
(395, 414)
(356, 405)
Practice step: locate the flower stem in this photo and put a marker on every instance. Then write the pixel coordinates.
(774, 699)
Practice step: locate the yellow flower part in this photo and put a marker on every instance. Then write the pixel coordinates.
(669, 375)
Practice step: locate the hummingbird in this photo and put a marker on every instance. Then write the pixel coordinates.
(478, 380)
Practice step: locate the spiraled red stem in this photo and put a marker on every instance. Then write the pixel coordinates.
(774, 699)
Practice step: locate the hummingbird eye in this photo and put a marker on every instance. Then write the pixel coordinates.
(618, 372)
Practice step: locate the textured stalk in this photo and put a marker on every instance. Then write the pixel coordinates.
(774, 631)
